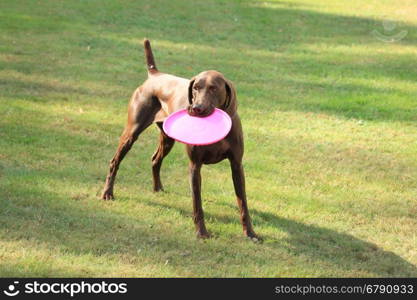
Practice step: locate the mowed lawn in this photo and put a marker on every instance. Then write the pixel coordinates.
(330, 121)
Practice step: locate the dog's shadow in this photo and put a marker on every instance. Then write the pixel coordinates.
(336, 247)
(318, 245)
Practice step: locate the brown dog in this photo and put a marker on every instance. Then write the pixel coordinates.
(162, 94)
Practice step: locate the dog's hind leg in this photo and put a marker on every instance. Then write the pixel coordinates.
(141, 114)
(164, 147)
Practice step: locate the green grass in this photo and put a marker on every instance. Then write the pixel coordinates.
(330, 121)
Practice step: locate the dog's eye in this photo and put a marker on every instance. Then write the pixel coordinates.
(213, 88)
(196, 88)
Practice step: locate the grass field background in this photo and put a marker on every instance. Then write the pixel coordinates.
(330, 120)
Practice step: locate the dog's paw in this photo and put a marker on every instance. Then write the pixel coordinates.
(203, 235)
(254, 237)
(107, 195)
(158, 188)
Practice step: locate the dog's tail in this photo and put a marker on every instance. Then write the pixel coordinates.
(150, 61)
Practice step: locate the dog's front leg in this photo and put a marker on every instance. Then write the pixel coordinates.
(198, 215)
(239, 184)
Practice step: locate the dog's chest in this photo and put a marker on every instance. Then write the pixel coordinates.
(209, 154)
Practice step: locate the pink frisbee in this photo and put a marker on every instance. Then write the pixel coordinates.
(195, 130)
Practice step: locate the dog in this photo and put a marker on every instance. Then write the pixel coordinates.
(159, 96)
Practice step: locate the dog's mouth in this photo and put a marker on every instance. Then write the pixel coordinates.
(201, 114)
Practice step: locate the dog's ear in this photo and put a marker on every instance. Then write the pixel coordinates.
(230, 103)
(190, 90)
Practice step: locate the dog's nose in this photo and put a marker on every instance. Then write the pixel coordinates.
(197, 108)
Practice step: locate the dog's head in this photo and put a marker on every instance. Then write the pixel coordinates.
(208, 90)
